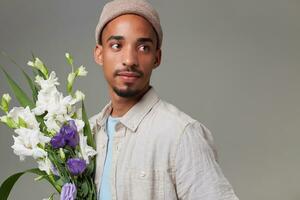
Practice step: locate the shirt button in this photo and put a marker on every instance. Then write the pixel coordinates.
(142, 174)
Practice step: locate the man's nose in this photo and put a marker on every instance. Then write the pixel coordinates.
(130, 58)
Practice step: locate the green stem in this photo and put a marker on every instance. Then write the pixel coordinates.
(57, 187)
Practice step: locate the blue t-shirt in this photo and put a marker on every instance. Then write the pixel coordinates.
(105, 190)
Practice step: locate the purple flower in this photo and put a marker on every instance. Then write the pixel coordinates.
(70, 134)
(68, 192)
(58, 141)
(67, 135)
(76, 166)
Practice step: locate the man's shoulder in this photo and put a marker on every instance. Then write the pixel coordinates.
(171, 114)
(181, 123)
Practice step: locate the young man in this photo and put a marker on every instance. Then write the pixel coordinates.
(147, 148)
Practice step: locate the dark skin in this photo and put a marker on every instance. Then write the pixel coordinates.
(128, 54)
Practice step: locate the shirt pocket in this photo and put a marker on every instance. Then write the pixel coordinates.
(144, 184)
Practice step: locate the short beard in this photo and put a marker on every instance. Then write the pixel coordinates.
(126, 93)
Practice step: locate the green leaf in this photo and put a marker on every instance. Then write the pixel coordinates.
(8, 184)
(90, 168)
(60, 182)
(87, 129)
(85, 188)
(92, 188)
(31, 83)
(32, 86)
(18, 92)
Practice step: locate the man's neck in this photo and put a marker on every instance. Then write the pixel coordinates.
(121, 105)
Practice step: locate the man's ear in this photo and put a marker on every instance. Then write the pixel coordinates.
(98, 54)
(157, 58)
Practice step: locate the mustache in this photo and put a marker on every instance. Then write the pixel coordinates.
(129, 69)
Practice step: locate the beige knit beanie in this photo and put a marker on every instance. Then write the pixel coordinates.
(116, 8)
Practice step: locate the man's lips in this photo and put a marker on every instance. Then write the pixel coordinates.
(129, 74)
(129, 77)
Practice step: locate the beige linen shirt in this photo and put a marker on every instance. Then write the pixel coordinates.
(158, 153)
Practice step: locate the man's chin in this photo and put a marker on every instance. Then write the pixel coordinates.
(127, 93)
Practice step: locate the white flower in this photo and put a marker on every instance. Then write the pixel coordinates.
(45, 165)
(26, 115)
(53, 102)
(79, 124)
(81, 71)
(44, 98)
(26, 143)
(49, 83)
(79, 113)
(79, 95)
(58, 105)
(85, 150)
(59, 109)
(52, 124)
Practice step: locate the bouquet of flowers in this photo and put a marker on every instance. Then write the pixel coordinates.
(54, 130)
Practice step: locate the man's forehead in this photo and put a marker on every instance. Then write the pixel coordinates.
(130, 20)
(129, 23)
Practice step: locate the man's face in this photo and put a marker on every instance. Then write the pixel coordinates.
(128, 54)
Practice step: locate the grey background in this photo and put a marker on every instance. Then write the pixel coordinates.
(231, 64)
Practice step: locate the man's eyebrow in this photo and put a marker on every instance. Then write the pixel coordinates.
(115, 37)
(141, 40)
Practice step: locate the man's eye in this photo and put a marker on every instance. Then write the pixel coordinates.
(144, 48)
(115, 46)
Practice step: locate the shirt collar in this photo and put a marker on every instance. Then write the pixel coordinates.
(135, 115)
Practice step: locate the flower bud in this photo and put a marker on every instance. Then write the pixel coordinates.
(69, 59)
(62, 154)
(9, 122)
(71, 78)
(79, 95)
(5, 102)
(81, 71)
(38, 64)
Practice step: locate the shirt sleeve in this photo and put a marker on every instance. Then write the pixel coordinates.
(198, 175)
